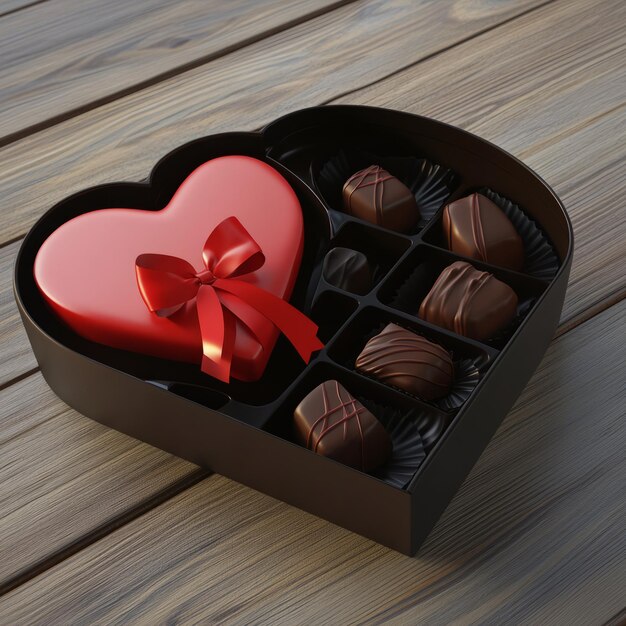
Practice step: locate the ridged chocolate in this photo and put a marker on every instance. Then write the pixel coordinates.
(476, 227)
(376, 196)
(408, 361)
(348, 269)
(333, 423)
(469, 302)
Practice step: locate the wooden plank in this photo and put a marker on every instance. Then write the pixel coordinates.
(63, 475)
(537, 533)
(69, 55)
(579, 156)
(308, 64)
(16, 356)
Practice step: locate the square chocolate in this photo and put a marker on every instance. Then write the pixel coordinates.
(374, 195)
(331, 422)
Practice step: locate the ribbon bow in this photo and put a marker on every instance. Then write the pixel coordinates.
(166, 283)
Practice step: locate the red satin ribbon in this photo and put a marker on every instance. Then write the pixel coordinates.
(166, 283)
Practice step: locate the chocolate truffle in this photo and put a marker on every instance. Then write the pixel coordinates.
(348, 269)
(476, 227)
(469, 302)
(374, 195)
(408, 361)
(332, 423)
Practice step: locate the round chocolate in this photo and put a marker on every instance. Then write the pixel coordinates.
(348, 269)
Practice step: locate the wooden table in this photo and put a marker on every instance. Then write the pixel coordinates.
(98, 528)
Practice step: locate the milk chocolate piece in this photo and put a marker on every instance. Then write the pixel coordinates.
(374, 195)
(469, 302)
(408, 361)
(332, 423)
(476, 227)
(348, 269)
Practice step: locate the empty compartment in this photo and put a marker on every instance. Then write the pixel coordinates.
(330, 311)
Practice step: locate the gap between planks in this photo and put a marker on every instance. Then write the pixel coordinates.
(432, 55)
(20, 5)
(140, 85)
(183, 67)
(188, 481)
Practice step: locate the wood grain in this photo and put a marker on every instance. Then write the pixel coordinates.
(63, 475)
(576, 153)
(67, 55)
(537, 533)
(305, 65)
(16, 356)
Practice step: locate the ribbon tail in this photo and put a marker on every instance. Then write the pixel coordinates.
(217, 329)
(297, 327)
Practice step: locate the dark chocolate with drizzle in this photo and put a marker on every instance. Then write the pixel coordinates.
(408, 361)
(469, 302)
(331, 422)
(374, 195)
(476, 227)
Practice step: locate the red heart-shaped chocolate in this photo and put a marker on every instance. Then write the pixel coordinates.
(86, 268)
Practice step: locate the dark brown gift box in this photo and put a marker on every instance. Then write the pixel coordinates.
(243, 430)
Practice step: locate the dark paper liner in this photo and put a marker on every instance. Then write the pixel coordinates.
(410, 446)
(502, 336)
(430, 183)
(466, 377)
(467, 372)
(540, 258)
(411, 292)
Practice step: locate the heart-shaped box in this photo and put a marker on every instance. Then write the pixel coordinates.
(85, 269)
(244, 429)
